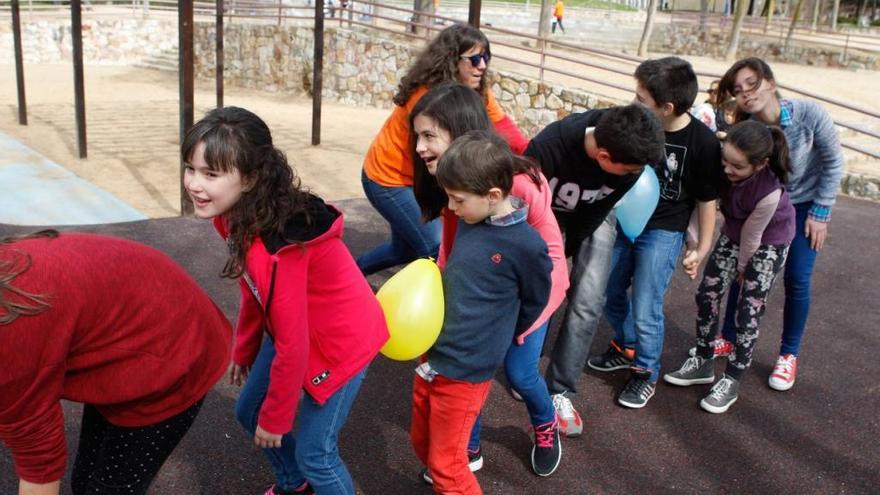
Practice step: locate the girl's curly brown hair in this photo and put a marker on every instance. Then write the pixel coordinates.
(438, 63)
(237, 139)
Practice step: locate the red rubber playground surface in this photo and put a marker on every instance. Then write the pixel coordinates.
(819, 437)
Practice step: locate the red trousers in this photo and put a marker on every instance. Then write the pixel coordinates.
(444, 412)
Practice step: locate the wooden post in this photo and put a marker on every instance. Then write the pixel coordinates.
(185, 72)
(78, 85)
(318, 72)
(219, 55)
(474, 13)
(19, 63)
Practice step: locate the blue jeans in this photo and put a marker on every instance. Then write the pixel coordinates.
(410, 237)
(798, 270)
(521, 367)
(311, 452)
(646, 264)
(586, 297)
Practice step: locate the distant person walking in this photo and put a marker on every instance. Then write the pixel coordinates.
(558, 11)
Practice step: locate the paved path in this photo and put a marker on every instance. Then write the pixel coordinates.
(38, 191)
(820, 437)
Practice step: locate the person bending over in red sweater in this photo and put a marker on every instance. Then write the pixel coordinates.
(117, 326)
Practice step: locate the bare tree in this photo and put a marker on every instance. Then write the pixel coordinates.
(704, 14)
(741, 8)
(794, 19)
(769, 10)
(419, 20)
(817, 4)
(649, 26)
(835, 11)
(544, 20)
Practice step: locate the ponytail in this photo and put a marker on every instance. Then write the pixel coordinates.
(779, 163)
(760, 142)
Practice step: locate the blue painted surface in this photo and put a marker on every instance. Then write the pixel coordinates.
(37, 191)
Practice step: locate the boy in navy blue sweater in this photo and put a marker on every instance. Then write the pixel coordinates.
(496, 284)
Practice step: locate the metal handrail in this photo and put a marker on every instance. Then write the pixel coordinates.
(281, 11)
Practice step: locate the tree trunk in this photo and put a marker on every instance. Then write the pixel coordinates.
(835, 11)
(817, 4)
(741, 8)
(704, 14)
(649, 26)
(794, 19)
(860, 11)
(544, 20)
(419, 20)
(769, 7)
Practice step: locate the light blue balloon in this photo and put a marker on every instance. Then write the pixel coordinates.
(636, 206)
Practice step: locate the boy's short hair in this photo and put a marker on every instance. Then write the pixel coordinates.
(631, 135)
(476, 162)
(669, 80)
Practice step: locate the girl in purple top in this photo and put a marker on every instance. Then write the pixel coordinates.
(759, 225)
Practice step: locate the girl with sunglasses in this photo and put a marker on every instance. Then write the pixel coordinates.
(460, 53)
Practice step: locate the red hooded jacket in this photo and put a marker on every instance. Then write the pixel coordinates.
(317, 307)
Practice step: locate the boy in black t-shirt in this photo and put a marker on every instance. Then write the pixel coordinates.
(689, 178)
(591, 160)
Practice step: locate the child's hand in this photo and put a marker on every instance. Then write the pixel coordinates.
(266, 440)
(237, 374)
(691, 262)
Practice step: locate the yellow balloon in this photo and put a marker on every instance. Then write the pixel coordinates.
(413, 304)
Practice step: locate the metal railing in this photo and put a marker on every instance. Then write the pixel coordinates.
(600, 67)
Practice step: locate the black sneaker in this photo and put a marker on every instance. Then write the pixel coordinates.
(547, 451)
(613, 359)
(638, 390)
(475, 463)
(694, 371)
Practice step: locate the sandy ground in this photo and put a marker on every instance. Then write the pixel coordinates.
(132, 131)
(132, 121)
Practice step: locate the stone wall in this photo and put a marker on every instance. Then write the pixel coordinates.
(362, 70)
(105, 42)
(359, 69)
(688, 39)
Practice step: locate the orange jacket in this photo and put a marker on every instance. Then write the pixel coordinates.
(389, 159)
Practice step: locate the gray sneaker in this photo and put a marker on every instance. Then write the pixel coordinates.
(723, 394)
(695, 371)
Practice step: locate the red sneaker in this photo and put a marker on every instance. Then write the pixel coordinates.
(720, 348)
(784, 373)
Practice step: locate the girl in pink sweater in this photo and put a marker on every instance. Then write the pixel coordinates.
(443, 114)
(309, 323)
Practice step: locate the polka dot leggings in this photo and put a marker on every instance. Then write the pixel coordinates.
(123, 461)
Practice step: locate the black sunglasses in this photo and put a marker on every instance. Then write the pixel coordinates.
(475, 59)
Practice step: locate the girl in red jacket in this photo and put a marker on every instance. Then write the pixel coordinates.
(117, 326)
(309, 323)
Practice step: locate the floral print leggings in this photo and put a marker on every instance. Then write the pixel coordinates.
(757, 281)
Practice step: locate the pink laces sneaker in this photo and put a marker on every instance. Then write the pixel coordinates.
(784, 373)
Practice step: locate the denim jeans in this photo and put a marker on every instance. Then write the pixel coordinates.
(410, 237)
(523, 375)
(647, 265)
(798, 270)
(586, 297)
(310, 452)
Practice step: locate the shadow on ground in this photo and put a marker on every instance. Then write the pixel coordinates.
(820, 437)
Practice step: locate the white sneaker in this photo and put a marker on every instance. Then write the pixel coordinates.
(570, 423)
(784, 373)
